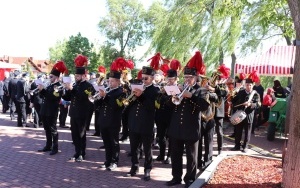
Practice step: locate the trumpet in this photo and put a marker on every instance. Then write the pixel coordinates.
(178, 98)
(59, 88)
(92, 98)
(129, 99)
(32, 92)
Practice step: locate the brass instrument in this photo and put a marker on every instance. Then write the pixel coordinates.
(132, 97)
(92, 98)
(129, 99)
(32, 92)
(59, 88)
(176, 99)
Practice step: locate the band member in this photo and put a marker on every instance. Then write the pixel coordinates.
(239, 85)
(164, 112)
(184, 130)
(125, 82)
(207, 126)
(50, 106)
(141, 122)
(21, 98)
(221, 91)
(100, 81)
(110, 112)
(247, 100)
(79, 97)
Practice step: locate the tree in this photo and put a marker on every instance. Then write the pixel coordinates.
(291, 166)
(79, 45)
(56, 52)
(124, 25)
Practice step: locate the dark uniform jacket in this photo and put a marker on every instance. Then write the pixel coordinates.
(110, 109)
(142, 112)
(35, 98)
(50, 100)
(5, 86)
(241, 97)
(221, 91)
(163, 110)
(22, 91)
(12, 88)
(185, 118)
(79, 97)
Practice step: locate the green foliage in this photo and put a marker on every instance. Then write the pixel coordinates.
(79, 45)
(56, 52)
(124, 25)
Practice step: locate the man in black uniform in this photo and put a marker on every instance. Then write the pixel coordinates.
(12, 90)
(50, 106)
(163, 117)
(184, 130)
(141, 123)
(36, 101)
(110, 113)
(247, 100)
(79, 97)
(21, 98)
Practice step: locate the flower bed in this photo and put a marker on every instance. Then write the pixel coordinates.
(247, 172)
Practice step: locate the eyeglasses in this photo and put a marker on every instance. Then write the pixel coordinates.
(145, 78)
(50, 76)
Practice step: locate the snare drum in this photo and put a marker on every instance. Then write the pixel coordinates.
(238, 117)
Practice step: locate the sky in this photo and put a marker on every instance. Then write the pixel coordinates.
(30, 27)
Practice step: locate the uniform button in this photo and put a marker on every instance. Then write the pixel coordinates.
(180, 122)
(181, 118)
(182, 114)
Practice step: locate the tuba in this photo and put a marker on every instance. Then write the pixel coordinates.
(176, 99)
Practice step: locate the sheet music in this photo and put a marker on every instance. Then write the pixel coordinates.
(172, 90)
(67, 79)
(137, 86)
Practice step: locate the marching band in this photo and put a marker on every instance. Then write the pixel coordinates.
(184, 122)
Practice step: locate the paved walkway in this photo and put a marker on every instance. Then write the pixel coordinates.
(22, 166)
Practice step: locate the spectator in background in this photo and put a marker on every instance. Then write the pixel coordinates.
(6, 97)
(279, 91)
(1, 92)
(257, 114)
(268, 102)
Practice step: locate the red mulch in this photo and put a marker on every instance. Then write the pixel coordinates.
(247, 172)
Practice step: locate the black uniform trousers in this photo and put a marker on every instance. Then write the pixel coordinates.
(244, 125)
(63, 113)
(207, 137)
(162, 127)
(50, 128)
(5, 103)
(90, 111)
(191, 147)
(219, 131)
(136, 140)
(97, 126)
(21, 111)
(110, 137)
(37, 115)
(125, 130)
(78, 131)
(13, 106)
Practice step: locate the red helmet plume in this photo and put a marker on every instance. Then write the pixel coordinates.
(155, 61)
(197, 62)
(81, 60)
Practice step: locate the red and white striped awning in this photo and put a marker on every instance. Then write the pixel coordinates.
(277, 61)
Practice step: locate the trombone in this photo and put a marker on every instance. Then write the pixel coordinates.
(176, 99)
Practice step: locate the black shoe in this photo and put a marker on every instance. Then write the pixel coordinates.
(155, 146)
(219, 152)
(159, 158)
(123, 138)
(167, 161)
(235, 149)
(112, 167)
(102, 147)
(244, 150)
(132, 172)
(205, 165)
(79, 159)
(53, 152)
(147, 175)
(173, 182)
(44, 149)
(232, 135)
(104, 165)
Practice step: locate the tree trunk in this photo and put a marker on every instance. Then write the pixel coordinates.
(233, 61)
(291, 166)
